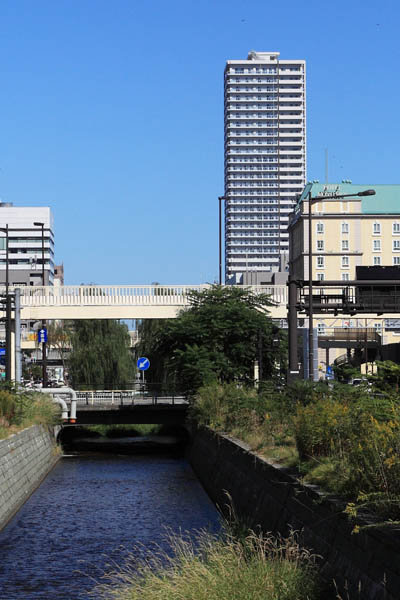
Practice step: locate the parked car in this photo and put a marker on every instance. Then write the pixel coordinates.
(360, 381)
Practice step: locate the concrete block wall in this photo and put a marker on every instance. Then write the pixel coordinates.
(25, 459)
(364, 566)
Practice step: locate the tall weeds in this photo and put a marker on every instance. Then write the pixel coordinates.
(22, 410)
(209, 567)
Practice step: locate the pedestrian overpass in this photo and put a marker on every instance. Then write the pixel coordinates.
(123, 302)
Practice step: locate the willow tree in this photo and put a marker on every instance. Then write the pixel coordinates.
(101, 356)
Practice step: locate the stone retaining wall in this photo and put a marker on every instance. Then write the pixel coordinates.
(25, 460)
(364, 566)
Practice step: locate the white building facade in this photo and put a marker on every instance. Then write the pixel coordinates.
(25, 244)
(265, 159)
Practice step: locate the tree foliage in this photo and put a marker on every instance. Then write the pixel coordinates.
(59, 335)
(387, 379)
(218, 338)
(100, 356)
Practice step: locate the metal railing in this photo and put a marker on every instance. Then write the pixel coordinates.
(126, 398)
(351, 334)
(130, 295)
(352, 299)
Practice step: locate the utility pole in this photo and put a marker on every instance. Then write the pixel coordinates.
(44, 345)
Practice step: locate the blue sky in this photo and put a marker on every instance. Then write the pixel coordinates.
(111, 112)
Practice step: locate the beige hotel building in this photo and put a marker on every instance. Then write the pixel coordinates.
(349, 232)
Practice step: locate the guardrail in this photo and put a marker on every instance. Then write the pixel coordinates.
(125, 398)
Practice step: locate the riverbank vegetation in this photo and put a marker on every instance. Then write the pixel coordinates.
(211, 567)
(20, 410)
(341, 437)
(113, 431)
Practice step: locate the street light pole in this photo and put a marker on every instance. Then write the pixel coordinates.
(312, 201)
(8, 309)
(44, 346)
(220, 199)
(310, 294)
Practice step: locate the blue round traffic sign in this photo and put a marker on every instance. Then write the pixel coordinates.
(143, 363)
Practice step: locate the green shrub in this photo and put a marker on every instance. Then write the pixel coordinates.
(322, 428)
(228, 407)
(7, 407)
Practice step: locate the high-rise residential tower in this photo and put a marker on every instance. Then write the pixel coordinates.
(265, 159)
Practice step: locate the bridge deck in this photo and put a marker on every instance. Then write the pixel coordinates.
(122, 302)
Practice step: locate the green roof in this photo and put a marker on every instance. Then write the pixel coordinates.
(385, 201)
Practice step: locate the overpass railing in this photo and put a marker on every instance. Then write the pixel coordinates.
(130, 295)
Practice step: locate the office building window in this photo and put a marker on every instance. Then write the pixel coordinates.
(345, 245)
(376, 228)
(320, 262)
(376, 245)
(345, 227)
(396, 245)
(377, 260)
(320, 245)
(345, 262)
(320, 228)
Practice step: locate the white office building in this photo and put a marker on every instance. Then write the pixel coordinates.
(25, 244)
(265, 159)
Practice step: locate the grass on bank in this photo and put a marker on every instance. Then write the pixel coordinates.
(211, 567)
(21, 410)
(341, 438)
(112, 431)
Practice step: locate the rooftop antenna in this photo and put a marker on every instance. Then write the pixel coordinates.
(326, 165)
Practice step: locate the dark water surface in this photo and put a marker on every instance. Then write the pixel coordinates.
(89, 513)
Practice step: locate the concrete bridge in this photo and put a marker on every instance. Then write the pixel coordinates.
(111, 407)
(123, 302)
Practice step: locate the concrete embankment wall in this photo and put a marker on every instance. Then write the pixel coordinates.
(366, 564)
(25, 460)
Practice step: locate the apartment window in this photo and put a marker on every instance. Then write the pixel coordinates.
(396, 228)
(376, 246)
(320, 262)
(345, 277)
(320, 245)
(396, 260)
(376, 228)
(345, 245)
(396, 245)
(345, 227)
(345, 262)
(321, 276)
(320, 228)
(377, 260)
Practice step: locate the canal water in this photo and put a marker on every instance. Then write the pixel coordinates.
(89, 514)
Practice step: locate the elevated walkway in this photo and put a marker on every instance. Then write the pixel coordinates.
(123, 302)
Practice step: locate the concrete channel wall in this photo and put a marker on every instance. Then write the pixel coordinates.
(25, 460)
(364, 565)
